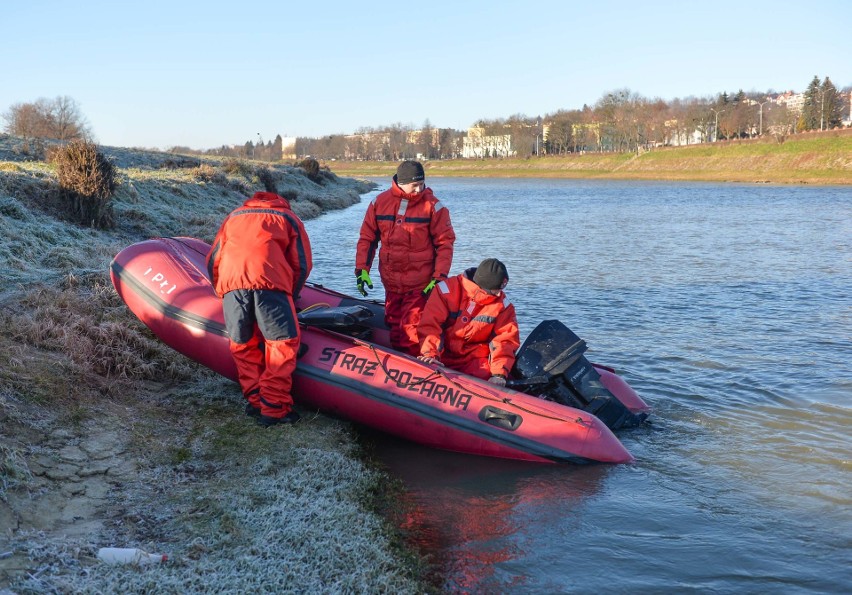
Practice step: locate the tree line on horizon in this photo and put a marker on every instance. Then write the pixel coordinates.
(620, 121)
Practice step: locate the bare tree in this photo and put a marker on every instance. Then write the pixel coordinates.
(23, 119)
(560, 134)
(657, 115)
(740, 116)
(398, 142)
(69, 122)
(424, 142)
(444, 149)
(703, 118)
(618, 112)
(778, 120)
(525, 133)
(356, 146)
(58, 118)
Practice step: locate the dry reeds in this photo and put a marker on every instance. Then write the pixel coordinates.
(209, 174)
(237, 167)
(95, 332)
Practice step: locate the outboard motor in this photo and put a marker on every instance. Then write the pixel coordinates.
(551, 364)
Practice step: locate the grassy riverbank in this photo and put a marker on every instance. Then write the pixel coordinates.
(110, 438)
(810, 158)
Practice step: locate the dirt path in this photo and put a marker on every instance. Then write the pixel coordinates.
(65, 483)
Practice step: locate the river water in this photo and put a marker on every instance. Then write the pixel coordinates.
(729, 309)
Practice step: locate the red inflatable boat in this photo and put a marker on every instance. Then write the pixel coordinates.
(566, 412)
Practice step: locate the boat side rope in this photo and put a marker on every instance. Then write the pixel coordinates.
(432, 376)
(439, 373)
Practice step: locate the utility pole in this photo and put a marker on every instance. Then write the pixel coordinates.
(716, 123)
(760, 133)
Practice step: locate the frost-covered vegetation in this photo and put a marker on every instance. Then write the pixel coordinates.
(110, 438)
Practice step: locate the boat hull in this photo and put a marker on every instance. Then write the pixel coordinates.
(164, 283)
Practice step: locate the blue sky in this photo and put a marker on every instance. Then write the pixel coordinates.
(203, 74)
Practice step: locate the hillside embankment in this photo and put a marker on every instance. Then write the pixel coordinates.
(807, 158)
(110, 438)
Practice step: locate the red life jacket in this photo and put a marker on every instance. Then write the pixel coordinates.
(416, 237)
(462, 322)
(260, 245)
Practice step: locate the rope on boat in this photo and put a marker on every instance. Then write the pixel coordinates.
(433, 375)
(439, 373)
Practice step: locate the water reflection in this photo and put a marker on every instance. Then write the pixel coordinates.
(468, 514)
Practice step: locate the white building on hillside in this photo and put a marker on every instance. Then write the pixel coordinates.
(476, 144)
(677, 135)
(795, 102)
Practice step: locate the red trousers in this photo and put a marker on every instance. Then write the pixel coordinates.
(264, 341)
(402, 315)
(265, 370)
(474, 366)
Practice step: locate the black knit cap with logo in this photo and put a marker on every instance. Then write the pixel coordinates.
(409, 171)
(491, 274)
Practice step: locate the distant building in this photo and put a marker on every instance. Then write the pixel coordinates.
(677, 136)
(416, 136)
(288, 148)
(587, 136)
(367, 145)
(795, 102)
(477, 144)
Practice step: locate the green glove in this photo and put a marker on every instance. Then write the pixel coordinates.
(430, 287)
(362, 278)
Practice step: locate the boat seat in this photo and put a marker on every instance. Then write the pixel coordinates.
(347, 319)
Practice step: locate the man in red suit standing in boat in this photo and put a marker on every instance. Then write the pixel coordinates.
(417, 238)
(470, 325)
(259, 262)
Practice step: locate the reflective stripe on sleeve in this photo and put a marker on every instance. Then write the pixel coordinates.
(488, 319)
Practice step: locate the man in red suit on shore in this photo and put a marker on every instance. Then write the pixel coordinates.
(260, 260)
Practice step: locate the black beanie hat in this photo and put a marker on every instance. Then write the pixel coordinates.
(408, 172)
(491, 274)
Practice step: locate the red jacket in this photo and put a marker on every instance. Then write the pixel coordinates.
(260, 245)
(461, 322)
(416, 235)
